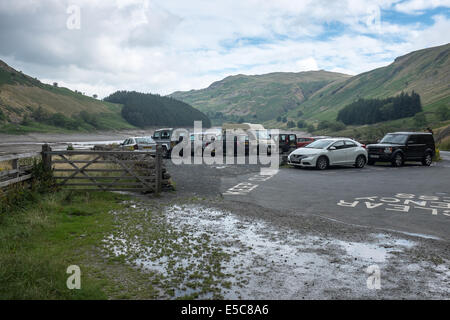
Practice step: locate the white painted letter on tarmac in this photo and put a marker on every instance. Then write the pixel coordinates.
(417, 203)
(390, 200)
(405, 196)
(440, 205)
(367, 198)
(429, 198)
(398, 207)
(433, 211)
(347, 204)
(371, 205)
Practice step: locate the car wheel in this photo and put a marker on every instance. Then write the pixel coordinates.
(322, 163)
(427, 160)
(360, 161)
(398, 160)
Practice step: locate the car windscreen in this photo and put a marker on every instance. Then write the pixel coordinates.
(394, 138)
(319, 144)
(261, 134)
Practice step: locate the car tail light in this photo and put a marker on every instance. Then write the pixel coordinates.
(135, 147)
(364, 146)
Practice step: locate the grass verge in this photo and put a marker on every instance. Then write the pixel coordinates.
(38, 242)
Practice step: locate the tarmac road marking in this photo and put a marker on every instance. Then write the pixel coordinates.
(241, 189)
(246, 187)
(404, 202)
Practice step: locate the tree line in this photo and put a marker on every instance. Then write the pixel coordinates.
(145, 110)
(368, 111)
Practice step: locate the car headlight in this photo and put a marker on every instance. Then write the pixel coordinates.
(388, 150)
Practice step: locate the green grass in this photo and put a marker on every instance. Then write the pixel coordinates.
(444, 144)
(40, 240)
(5, 77)
(370, 133)
(423, 71)
(265, 96)
(10, 128)
(20, 95)
(107, 121)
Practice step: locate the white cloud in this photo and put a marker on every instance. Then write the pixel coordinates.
(164, 46)
(413, 6)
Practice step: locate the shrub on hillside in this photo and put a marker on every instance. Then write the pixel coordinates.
(443, 113)
(290, 124)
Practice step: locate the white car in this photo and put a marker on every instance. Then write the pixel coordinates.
(330, 152)
(139, 143)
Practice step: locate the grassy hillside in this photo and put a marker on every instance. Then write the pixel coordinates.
(258, 98)
(426, 71)
(316, 96)
(21, 95)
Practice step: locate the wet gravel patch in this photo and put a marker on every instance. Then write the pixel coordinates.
(199, 249)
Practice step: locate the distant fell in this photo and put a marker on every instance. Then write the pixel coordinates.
(258, 97)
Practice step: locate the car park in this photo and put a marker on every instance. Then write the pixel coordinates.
(399, 147)
(139, 143)
(329, 152)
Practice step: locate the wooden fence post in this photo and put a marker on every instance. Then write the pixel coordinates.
(158, 169)
(15, 166)
(46, 158)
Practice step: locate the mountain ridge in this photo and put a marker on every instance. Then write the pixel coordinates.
(425, 71)
(273, 93)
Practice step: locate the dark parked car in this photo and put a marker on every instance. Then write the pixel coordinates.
(167, 140)
(399, 147)
(287, 142)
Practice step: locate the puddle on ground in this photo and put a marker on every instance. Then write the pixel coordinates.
(267, 262)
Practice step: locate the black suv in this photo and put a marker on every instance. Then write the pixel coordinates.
(399, 147)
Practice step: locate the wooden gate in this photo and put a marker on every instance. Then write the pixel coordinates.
(18, 173)
(105, 170)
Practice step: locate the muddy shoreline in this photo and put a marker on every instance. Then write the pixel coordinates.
(62, 137)
(33, 141)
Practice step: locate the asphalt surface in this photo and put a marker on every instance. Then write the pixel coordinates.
(412, 199)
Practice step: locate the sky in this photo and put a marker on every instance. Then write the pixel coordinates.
(162, 46)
